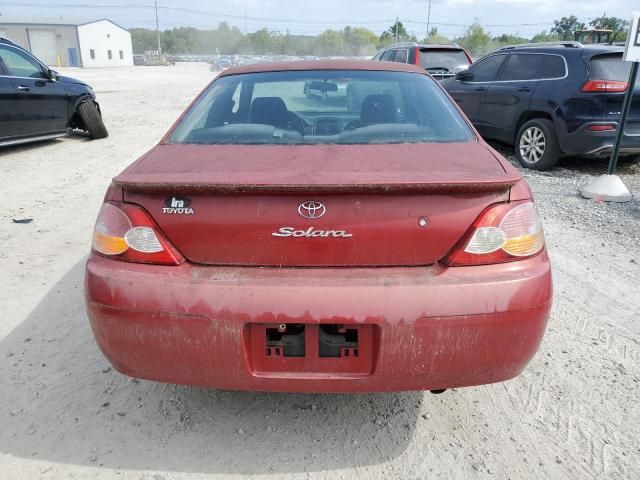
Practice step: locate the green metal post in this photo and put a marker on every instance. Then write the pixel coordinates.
(626, 106)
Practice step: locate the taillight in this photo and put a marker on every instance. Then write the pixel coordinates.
(607, 86)
(127, 232)
(503, 233)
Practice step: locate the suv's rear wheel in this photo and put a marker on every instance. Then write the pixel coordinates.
(537, 145)
(92, 120)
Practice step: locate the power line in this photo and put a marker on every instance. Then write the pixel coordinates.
(190, 17)
(263, 19)
(196, 12)
(481, 24)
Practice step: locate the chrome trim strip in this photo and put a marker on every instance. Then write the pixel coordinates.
(599, 150)
(26, 78)
(31, 139)
(609, 148)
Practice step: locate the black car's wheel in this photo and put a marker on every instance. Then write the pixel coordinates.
(537, 145)
(92, 120)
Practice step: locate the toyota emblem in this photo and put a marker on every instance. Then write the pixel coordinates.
(312, 209)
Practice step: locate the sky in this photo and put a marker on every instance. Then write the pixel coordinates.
(451, 17)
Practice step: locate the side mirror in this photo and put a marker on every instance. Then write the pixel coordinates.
(464, 75)
(53, 75)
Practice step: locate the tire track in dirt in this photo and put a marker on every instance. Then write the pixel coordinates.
(599, 444)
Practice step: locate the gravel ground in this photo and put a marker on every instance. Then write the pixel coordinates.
(65, 413)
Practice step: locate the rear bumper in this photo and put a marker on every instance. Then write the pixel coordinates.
(427, 328)
(598, 144)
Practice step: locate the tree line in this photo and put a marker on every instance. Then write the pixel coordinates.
(350, 41)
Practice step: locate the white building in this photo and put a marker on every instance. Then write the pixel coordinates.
(71, 42)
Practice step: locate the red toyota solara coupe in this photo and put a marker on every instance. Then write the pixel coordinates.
(282, 239)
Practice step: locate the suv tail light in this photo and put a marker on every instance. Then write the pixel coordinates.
(502, 233)
(607, 86)
(127, 232)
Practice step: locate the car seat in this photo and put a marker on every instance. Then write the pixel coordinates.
(273, 111)
(377, 108)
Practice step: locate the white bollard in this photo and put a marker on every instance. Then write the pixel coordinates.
(607, 188)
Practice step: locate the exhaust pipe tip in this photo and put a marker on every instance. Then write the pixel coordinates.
(438, 392)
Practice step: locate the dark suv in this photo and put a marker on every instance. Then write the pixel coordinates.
(441, 61)
(36, 103)
(550, 100)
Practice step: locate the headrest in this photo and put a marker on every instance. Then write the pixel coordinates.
(379, 108)
(269, 111)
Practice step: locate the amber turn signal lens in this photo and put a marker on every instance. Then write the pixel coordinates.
(523, 230)
(109, 245)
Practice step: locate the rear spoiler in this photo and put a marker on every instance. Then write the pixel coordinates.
(389, 168)
(151, 186)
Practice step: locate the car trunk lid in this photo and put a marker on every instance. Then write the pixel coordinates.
(320, 205)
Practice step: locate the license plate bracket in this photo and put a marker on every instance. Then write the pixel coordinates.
(339, 349)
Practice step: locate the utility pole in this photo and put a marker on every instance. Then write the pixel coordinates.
(158, 32)
(245, 21)
(429, 19)
(397, 20)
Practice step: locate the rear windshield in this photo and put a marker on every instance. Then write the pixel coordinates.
(609, 67)
(322, 107)
(448, 60)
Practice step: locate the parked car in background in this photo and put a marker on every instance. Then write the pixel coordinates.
(36, 103)
(441, 61)
(550, 100)
(304, 246)
(220, 64)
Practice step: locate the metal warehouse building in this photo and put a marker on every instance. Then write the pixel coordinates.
(66, 42)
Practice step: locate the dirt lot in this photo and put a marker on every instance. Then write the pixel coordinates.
(64, 413)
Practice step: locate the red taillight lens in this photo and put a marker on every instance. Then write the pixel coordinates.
(602, 128)
(502, 233)
(127, 232)
(606, 86)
